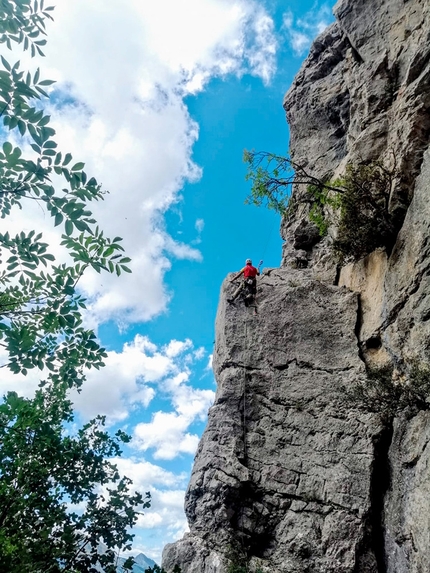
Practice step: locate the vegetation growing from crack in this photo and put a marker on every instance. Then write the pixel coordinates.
(386, 392)
(356, 204)
(239, 561)
(365, 222)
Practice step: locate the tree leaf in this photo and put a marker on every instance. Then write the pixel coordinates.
(69, 227)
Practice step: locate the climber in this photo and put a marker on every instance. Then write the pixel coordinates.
(249, 283)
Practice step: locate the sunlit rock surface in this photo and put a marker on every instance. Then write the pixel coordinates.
(289, 473)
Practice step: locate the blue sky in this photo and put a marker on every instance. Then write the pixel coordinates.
(160, 100)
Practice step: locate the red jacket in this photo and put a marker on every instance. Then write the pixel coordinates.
(249, 271)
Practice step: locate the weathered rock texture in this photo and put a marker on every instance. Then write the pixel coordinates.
(290, 476)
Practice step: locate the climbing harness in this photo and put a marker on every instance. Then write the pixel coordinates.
(248, 291)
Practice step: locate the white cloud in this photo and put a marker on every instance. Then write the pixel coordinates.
(147, 476)
(124, 383)
(301, 32)
(167, 511)
(167, 435)
(129, 382)
(200, 225)
(165, 516)
(199, 353)
(262, 53)
(176, 347)
(122, 71)
(168, 432)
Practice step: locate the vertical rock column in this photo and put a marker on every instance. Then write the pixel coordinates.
(283, 474)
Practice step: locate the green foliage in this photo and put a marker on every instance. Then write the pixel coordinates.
(365, 222)
(321, 197)
(61, 499)
(22, 22)
(43, 470)
(387, 395)
(271, 178)
(41, 324)
(357, 203)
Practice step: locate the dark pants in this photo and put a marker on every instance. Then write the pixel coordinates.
(252, 288)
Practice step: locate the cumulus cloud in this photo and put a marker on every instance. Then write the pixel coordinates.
(131, 379)
(122, 71)
(165, 517)
(146, 475)
(301, 32)
(167, 434)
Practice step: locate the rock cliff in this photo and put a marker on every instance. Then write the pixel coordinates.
(291, 474)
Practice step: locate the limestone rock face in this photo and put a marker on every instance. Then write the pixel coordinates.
(407, 517)
(284, 468)
(290, 474)
(363, 94)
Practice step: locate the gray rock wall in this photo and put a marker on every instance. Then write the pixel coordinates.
(284, 468)
(290, 475)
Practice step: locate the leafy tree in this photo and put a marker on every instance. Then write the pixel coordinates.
(365, 221)
(387, 393)
(40, 308)
(43, 466)
(357, 204)
(44, 470)
(272, 178)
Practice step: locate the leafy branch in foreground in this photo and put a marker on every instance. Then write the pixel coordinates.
(60, 496)
(64, 508)
(41, 324)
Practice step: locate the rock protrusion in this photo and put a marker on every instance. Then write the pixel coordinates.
(284, 467)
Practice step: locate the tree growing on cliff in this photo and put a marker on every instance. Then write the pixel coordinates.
(356, 204)
(272, 179)
(387, 393)
(60, 496)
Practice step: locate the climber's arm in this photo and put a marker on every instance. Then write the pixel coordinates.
(237, 275)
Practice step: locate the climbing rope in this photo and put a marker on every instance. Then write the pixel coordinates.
(244, 398)
(245, 454)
